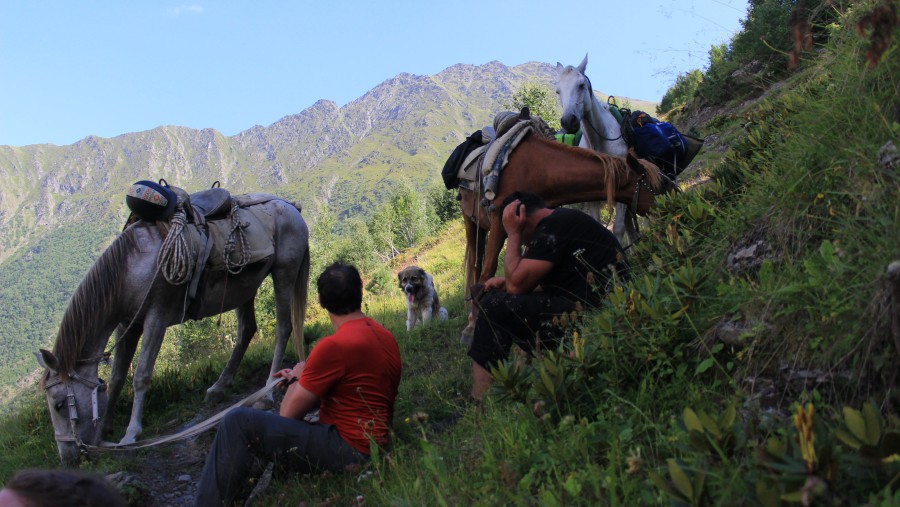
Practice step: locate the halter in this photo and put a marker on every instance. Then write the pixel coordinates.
(97, 386)
(641, 182)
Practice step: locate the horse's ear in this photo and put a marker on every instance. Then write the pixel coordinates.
(559, 67)
(525, 114)
(633, 162)
(583, 64)
(46, 359)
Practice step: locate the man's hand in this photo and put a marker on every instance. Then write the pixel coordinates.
(290, 375)
(514, 219)
(496, 283)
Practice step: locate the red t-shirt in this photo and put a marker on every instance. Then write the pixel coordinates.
(355, 373)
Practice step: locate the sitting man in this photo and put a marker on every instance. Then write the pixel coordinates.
(352, 376)
(568, 254)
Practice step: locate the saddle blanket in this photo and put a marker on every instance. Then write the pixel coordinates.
(492, 158)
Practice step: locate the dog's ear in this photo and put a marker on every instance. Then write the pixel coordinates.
(423, 274)
(400, 279)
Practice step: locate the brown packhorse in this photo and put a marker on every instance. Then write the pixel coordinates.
(560, 175)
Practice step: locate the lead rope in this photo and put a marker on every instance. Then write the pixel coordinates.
(189, 432)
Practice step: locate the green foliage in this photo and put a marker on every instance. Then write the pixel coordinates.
(799, 460)
(758, 51)
(405, 220)
(541, 101)
(444, 202)
(681, 92)
(35, 288)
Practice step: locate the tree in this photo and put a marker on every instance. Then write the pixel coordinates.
(681, 92)
(540, 99)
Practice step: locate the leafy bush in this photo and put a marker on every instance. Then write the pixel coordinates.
(541, 101)
(758, 51)
(681, 92)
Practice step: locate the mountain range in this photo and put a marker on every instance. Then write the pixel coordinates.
(60, 205)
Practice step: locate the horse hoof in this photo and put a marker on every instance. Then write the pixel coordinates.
(127, 440)
(467, 335)
(214, 396)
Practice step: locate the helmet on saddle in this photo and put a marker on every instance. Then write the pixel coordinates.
(151, 201)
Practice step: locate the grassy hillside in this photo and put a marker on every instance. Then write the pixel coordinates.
(751, 360)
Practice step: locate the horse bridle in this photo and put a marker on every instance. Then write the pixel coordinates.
(601, 136)
(97, 386)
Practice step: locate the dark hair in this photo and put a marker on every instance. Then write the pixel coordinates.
(64, 488)
(340, 289)
(531, 201)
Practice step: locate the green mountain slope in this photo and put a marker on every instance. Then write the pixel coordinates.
(401, 130)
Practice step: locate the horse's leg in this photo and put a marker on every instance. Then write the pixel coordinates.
(471, 274)
(594, 209)
(620, 223)
(475, 241)
(246, 321)
(631, 224)
(154, 330)
(124, 353)
(492, 250)
(282, 285)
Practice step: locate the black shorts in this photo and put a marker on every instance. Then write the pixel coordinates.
(528, 320)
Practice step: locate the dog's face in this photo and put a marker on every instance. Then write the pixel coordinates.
(411, 278)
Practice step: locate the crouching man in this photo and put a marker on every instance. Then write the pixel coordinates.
(352, 376)
(566, 268)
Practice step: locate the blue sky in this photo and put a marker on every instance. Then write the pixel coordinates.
(70, 69)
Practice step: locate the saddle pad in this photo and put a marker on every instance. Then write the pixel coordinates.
(468, 170)
(259, 231)
(245, 200)
(497, 156)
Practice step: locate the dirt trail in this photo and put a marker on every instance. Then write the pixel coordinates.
(167, 475)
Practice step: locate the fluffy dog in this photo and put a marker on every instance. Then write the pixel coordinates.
(422, 301)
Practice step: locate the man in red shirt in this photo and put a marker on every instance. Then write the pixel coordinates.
(352, 376)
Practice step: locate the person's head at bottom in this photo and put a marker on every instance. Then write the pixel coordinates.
(63, 488)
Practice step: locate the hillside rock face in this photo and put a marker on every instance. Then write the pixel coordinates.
(42, 186)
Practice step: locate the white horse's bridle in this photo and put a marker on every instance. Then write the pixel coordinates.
(97, 386)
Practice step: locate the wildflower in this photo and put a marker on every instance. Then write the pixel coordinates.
(634, 462)
(803, 421)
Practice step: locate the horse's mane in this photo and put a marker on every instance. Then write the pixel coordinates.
(615, 168)
(97, 293)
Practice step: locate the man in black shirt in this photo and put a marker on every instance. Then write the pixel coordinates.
(566, 268)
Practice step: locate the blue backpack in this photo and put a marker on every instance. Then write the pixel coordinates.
(660, 142)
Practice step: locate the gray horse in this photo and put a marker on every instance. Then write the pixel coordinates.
(581, 110)
(124, 292)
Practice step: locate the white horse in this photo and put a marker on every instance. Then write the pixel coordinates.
(600, 131)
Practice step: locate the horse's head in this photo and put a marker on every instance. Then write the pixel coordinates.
(575, 94)
(77, 399)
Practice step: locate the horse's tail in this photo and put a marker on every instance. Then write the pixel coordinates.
(298, 306)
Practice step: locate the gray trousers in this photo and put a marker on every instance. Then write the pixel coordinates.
(246, 435)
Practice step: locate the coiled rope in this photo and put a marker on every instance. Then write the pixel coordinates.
(174, 258)
(236, 237)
